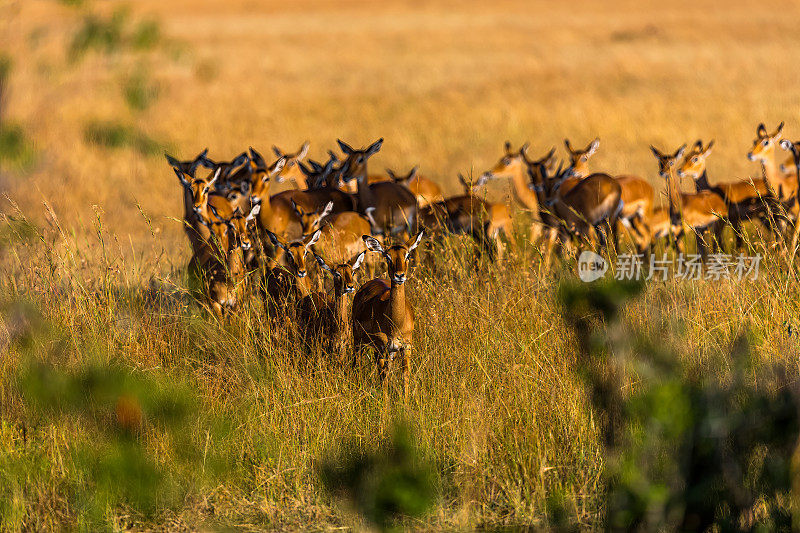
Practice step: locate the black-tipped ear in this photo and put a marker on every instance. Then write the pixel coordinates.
(314, 165)
(391, 174)
(257, 158)
(656, 152)
(239, 160)
(699, 145)
(295, 207)
(356, 262)
(593, 146)
(303, 152)
(568, 146)
(182, 177)
(374, 147)
(680, 151)
(507, 147)
(346, 148)
(321, 262)
(372, 243)
(413, 173)
(761, 131)
(305, 170)
(277, 151)
(709, 146)
(174, 163)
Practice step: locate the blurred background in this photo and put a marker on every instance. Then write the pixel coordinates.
(97, 91)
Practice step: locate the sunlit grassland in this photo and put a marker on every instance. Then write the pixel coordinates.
(495, 401)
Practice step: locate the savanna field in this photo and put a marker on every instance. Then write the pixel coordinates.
(124, 402)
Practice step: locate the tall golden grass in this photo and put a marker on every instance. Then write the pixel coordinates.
(494, 398)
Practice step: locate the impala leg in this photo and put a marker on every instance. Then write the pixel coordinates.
(384, 363)
(406, 371)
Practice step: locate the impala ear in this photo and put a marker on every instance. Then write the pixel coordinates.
(568, 146)
(761, 131)
(593, 146)
(416, 242)
(277, 166)
(321, 262)
(346, 148)
(708, 148)
(413, 173)
(314, 238)
(296, 208)
(507, 147)
(174, 163)
(778, 131)
(656, 152)
(182, 177)
(463, 180)
(214, 179)
(680, 152)
(523, 151)
(374, 147)
(391, 174)
(326, 211)
(372, 244)
(356, 262)
(550, 154)
(698, 145)
(199, 160)
(303, 151)
(253, 213)
(277, 151)
(276, 241)
(239, 160)
(257, 158)
(305, 170)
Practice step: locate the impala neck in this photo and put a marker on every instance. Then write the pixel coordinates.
(675, 199)
(366, 198)
(771, 173)
(701, 183)
(523, 194)
(340, 308)
(397, 303)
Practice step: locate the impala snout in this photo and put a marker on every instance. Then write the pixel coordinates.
(302, 273)
(246, 246)
(750, 156)
(255, 200)
(349, 289)
(399, 278)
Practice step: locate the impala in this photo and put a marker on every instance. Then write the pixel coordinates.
(185, 170)
(699, 211)
(223, 264)
(285, 285)
(382, 317)
(743, 199)
(782, 187)
(320, 317)
(637, 194)
(425, 190)
(516, 165)
(586, 210)
(393, 207)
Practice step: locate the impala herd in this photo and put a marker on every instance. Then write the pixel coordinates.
(339, 219)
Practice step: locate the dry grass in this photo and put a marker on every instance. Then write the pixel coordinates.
(494, 398)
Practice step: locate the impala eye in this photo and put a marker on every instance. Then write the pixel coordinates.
(694, 160)
(506, 161)
(765, 142)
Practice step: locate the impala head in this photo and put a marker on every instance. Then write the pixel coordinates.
(291, 170)
(296, 251)
(261, 176)
(355, 165)
(399, 178)
(189, 167)
(200, 189)
(668, 163)
(396, 255)
(694, 164)
(764, 145)
(790, 165)
(343, 274)
(310, 220)
(227, 168)
(547, 183)
(579, 158)
(509, 164)
(317, 175)
(242, 226)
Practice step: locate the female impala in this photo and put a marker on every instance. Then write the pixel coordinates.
(341, 232)
(637, 194)
(742, 198)
(589, 208)
(392, 206)
(382, 317)
(425, 190)
(783, 188)
(287, 285)
(516, 165)
(699, 211)
(319, 317)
